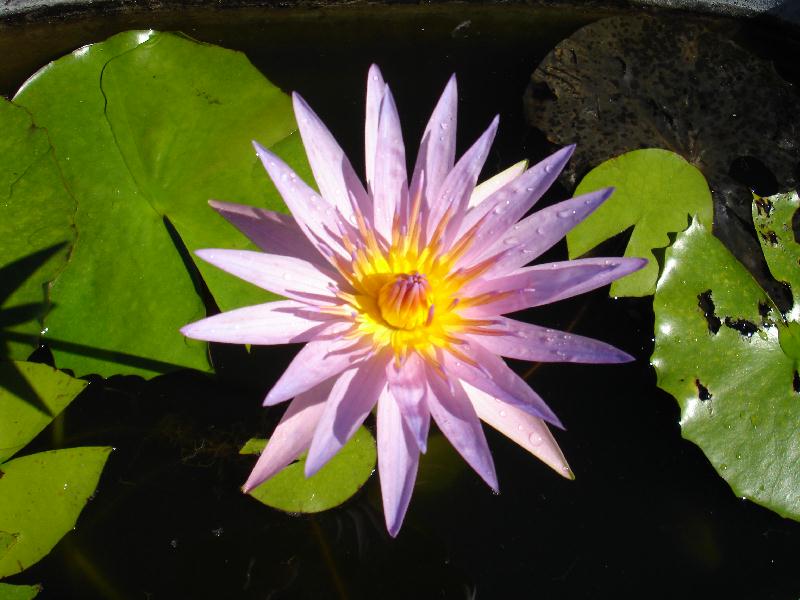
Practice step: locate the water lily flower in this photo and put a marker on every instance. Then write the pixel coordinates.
(399, 289)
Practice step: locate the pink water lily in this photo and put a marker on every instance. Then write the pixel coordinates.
(399, 289)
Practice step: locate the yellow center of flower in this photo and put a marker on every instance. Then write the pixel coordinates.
(405, 303)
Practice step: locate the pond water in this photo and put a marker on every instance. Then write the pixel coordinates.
(647, 512)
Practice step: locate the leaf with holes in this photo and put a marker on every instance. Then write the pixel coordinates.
(656, 191)
(146, 128)
(332, 485)
(719, 350)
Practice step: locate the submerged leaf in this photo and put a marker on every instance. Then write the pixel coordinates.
(719, 351)
(146, 128)
(43, 494)
(656, 191)
(332, 485)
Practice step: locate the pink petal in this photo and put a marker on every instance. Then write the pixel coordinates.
(408, 387)
(284, 275)
(453, 412)
(314, 214)
(536, 234)
(493, 376)
(375, 89)
(317, 361)
(282, 322)
(273, 232)
(292, 436)
(543, 284)
(491, 185)
(524, 341)
(526, 430)
(398, 458)
(390, 189)
(332, 170)
(501, 210)
(437, 150)
(352, 398)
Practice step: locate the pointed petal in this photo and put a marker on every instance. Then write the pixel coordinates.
(543, 284)
(317, 361)
(273, 232)
(375, 89)
(285, 322)
(536, 234)
(524, 341)
(284, 275)
(493, 376)
(526, 430)
(292, 436)
(390, 189)
(398, 458)
(437, 151)
(332, 169)
(491, 185)
(408, 387)
(352, 398)
(453, 412)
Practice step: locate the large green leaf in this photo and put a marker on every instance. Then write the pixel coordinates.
(146, 127)
(719, 351)
(25, 416)
(43, 494)
(655, 192)
(332, 485)
(35, 213)
(18, 592)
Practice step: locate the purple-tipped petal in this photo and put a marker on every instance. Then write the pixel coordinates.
(353, 396)
(273, 232)
(493, 376)
(292, 436)
(437, 151)
(526, 430)
(317, 361)
(284, 275)
(283, 322)
(491, 185)
(524, 341)
(390, 188)
(332, 169)
(543, 284)
(398, 458)
(453, 412)
(536, 234)
(408, 387)
(375, 89)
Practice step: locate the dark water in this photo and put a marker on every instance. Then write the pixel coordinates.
(647, 514)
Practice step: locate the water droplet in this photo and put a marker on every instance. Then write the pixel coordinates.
(548, 168)
(535, 439)
(510, 241)
(540, 230)
(563, 214)
(502, 413)
(44, 331)
(444, 125)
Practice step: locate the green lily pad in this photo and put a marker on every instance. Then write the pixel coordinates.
(332, 485)
(718, 351)
(18, 592)
(773, 220)
(35, 213)
(147, 127)
(655, 192)
(24, 417)
(43, 494)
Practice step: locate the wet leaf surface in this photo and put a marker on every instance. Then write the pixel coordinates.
(146, 128)
(655, 192)
(720, 351)
(332, 485)
(43, 494)
(638, 81)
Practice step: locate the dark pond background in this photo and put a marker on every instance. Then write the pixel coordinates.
(647, 514)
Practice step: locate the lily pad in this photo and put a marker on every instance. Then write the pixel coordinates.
(146, 127)
(18, 592)
(719, 352)
(43, 494)
(25, 416)
(631, 82)
(656, 191)
(332, 485)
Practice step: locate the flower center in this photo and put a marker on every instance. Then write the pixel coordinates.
(405, 302)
